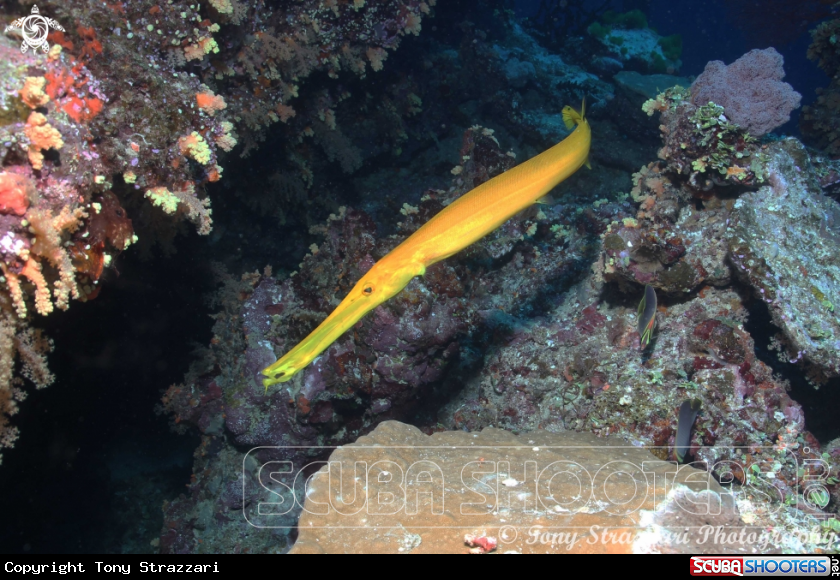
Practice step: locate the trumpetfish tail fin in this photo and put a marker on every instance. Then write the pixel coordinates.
(571, 117)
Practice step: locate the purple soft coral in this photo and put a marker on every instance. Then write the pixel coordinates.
(750, 90)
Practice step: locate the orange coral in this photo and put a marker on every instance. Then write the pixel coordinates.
(48, 231)
(92, 46)
(48, 244)
(14, 193)
(59, 82)
(41, 136)
(285, 111)
(94, 106)
(58, 37)
(32, 92)
(15, 291)
(65, 87)
(82, 110)
(210, 103)
(32, 270)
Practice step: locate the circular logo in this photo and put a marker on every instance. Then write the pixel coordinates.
(508, 534)
(35, 29)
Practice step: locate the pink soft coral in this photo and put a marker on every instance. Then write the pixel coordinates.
(750, 90)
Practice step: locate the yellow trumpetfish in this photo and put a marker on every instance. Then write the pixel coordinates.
(463, 222)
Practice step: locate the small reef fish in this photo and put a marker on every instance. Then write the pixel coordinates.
(463, 222)
(688, 413)
(647, 315)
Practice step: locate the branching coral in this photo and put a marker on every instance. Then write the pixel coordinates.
(30, 346)
(46, 245)
(59, 224)
(42, 136)
(158, 103)
(184, 200)
(167, 91)
(49, 231)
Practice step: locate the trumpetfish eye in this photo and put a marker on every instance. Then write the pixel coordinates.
(368, 290)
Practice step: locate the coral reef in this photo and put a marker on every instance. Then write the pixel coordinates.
(409, 350)
(518, 65)
(628, 39)
(405, 345)
(59, 226)
(519, 331)
(574, 367)
(581, 370)
(679, 250)
(820, 120)
(750, 90)
(177, 86)
(670, 244)
(785, 243)
(702, 142)
(95, 131)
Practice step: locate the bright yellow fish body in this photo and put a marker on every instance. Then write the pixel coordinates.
(460, 224)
